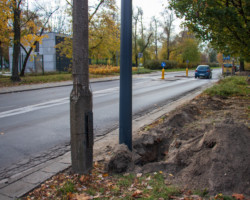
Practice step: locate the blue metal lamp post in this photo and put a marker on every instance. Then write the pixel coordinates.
(125, 127)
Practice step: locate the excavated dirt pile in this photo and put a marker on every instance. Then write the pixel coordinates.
(202, 145)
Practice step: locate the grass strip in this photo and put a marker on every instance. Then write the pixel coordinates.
(230, 86)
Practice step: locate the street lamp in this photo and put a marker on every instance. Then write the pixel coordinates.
(125, 120)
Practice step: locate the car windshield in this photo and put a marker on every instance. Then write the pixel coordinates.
(202, 67)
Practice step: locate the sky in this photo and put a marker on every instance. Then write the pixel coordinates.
(153, 8)
(150, 8)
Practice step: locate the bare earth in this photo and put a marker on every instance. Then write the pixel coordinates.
(204, 144)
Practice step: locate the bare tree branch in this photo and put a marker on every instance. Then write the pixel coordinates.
(95, 11)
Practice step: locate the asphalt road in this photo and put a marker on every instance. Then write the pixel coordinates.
(34, 121)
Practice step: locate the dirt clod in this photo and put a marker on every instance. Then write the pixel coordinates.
(204, 144)
(121, 160)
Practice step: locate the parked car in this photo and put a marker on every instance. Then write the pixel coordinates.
(203, 71)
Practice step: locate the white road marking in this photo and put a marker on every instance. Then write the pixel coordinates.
(65, 100)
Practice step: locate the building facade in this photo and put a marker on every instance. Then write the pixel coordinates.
(44, 58)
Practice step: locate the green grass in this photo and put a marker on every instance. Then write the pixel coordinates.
(230, 86)
(160, 189)
(143, 70)
(67, 188)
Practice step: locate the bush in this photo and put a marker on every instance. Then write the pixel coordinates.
(153, 64)
(156, 64)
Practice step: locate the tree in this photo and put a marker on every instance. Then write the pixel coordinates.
(16, 9)
(155, 23)
(136, 16)
(225, 23)
(190, 51)
(5, 14)
(33, 33)
(104, 32)
(168, 28)
(81, 116)
(212, 55)
(185, 47)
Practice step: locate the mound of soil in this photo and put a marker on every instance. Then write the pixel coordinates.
(204, 145)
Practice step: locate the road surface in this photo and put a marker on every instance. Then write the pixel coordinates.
(32, 122)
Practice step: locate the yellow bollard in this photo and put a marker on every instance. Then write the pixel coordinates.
(163, 71)
(186, 71)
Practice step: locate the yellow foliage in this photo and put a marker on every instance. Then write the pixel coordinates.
(5, 15)
(220, 58)
(103, 69)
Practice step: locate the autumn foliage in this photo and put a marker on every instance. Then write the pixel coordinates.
(105, 69)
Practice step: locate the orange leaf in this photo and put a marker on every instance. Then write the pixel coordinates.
(82, 178)
(137, 193)
(238, 196)
(82, 197)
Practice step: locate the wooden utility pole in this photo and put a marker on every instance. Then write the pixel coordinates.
(81, 116)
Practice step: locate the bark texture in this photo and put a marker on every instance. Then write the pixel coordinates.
(17, 37)
(81, 119)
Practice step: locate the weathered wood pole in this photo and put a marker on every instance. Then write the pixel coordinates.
(81, 117)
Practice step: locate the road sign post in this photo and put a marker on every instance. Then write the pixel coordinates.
(187, 68)
(163, 64)
(125, 120)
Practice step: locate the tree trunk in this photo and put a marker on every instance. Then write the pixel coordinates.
(81, 118)
(1, 54)
(17, 35)
(25, 61)
(242, 66)
(168, 45)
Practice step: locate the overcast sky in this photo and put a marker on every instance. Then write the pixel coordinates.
(150, 8)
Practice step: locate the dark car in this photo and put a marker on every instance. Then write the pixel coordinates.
(203, 71)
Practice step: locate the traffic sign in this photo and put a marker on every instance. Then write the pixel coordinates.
(140, 55)
(226, 57)
(163, 64)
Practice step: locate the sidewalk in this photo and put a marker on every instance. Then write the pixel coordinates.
(19, 184)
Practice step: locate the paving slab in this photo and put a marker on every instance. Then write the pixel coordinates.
(56, 167)
(37, 177)
(2, 197)
(66, 158)
(17, 189)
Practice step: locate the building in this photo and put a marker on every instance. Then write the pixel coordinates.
(44, 57)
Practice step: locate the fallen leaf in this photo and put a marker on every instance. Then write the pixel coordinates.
(82, 178)
(82, 197)
(238, 196)
(149, 187)
(105, 175)
(139, 175)
(137, 193)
